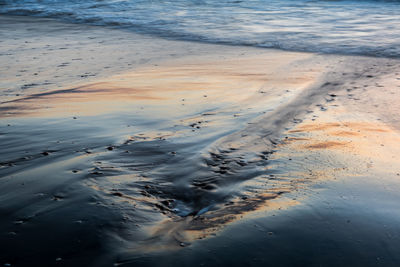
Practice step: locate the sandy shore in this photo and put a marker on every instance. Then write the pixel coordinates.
(130, 150)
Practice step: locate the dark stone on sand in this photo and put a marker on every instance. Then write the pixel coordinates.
(26, 86)
(167, 202)
(161, 207)
(209, 187)
(241, 163)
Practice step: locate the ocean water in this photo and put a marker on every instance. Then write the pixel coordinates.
(346, 27)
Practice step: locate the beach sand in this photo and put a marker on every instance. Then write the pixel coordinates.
(120, 149)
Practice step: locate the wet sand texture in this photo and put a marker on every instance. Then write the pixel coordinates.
(193, 155)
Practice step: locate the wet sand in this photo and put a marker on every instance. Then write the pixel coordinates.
(179, 154)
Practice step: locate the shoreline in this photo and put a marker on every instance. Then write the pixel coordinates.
(156, 156)
(59, 54)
